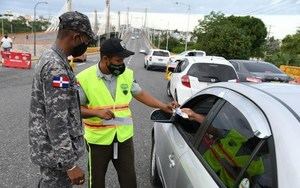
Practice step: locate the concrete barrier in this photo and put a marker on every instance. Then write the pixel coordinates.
(292, 71)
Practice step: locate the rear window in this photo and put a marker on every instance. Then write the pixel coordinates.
(196, 54)
(207, 72)
(161, 53)
(262, 68)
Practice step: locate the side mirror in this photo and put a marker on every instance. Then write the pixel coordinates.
(143, 52)
(161, 116)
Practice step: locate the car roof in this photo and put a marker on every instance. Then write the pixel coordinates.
(280, 105)
(159, 50)
(289, 94)
(247, 61)
(209, 59)
(193, 51)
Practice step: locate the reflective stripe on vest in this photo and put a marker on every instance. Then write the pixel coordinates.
(118, 121)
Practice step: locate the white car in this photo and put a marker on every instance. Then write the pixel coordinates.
(157, 58)
(193, 74)
(247, 139)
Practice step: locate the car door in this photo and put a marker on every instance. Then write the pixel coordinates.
(175, 140)
(234, 149)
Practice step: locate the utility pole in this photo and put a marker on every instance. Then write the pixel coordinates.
(145, 21)
(127, 17)
(187, 29)
(96, 28)
(167, 45)
(119, 21)
(158, 41)
(69, 5)
(33, 25)
(2, 26)
(107, 29)
(188, 21)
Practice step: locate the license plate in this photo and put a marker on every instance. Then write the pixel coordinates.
(160, 59)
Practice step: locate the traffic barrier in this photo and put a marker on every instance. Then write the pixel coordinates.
(16, 60)
(92, 50)
(292, 71)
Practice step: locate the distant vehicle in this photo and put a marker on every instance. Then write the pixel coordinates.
(258, 71)
(157, 58)
(193, 74)
(175, 59)
(132, 37)
(81, 58)
(248, 139)
(189, 53)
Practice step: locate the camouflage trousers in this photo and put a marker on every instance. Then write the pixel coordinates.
(52, 178)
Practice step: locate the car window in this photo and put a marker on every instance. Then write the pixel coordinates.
(261, 68)
(201, 105)
(161, 53)
(207, 72)
(181, 66)
(228, 146)
(184, 65)
(235, 64)
(195, 54)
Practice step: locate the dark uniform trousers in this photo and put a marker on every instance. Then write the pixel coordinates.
(99, 157)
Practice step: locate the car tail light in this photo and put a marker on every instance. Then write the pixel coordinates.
(253, 79)
(150, 58)
(185, 80)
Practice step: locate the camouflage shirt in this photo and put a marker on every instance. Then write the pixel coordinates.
(55, 128)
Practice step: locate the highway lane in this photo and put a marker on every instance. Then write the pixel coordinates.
(16, 170)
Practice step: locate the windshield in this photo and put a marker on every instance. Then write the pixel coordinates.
(207, 72)
(161, 53)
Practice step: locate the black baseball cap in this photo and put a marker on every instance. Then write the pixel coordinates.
(115, 46)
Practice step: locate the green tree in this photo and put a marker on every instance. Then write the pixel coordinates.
(231, 37)
(272, 46)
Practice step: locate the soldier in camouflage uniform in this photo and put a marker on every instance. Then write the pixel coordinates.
(55, 128)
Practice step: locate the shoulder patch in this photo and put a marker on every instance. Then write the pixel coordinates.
(62, 81)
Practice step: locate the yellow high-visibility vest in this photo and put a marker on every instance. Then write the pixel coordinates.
(97, 130)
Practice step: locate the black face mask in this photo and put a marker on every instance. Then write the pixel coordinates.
(116, 70)
(79, 50)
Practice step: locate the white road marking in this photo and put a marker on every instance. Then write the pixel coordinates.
(79, 64)
(129, 61)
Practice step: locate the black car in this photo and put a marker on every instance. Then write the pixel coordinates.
(258, 71)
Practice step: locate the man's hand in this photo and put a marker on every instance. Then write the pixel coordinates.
(76, 176)
(169, 107)
(105, 114)
(193, 116)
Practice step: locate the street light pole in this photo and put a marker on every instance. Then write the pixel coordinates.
(188, 22)
(2, 27)
(33, 25)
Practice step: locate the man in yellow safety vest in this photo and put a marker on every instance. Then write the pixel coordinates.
(106, 89)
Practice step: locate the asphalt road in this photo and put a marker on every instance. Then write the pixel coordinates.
(16, 170)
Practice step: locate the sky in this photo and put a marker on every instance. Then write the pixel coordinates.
(281, 17)
(253, 7)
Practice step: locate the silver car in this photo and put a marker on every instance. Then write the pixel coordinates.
(249, 138)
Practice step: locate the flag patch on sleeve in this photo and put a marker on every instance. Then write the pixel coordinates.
(61, 81)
